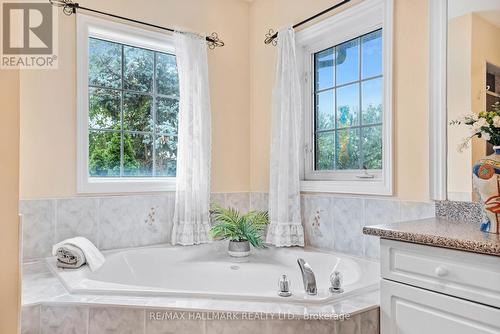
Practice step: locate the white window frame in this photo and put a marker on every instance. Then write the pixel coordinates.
(90, 26)
(358, 20)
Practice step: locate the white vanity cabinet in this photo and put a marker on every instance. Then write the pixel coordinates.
(431, 290)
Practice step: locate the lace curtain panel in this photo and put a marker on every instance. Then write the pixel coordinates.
(191, 216)
(285, 227)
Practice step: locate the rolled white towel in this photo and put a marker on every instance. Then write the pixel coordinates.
(93, 256)
(69, 256)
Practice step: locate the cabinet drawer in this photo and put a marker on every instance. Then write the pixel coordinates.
(471, 276)
(408, 310)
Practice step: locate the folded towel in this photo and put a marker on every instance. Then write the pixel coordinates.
(69, 258)
(63, 265)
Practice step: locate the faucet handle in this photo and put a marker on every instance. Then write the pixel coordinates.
(336, 280)
(284, 287)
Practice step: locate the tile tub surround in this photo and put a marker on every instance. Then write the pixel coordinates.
(95, 319)
(335, 222)
(110, 222)
(440, 232)
(49, 308)
(331, 222)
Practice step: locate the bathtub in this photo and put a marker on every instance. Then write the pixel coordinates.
(207, 271)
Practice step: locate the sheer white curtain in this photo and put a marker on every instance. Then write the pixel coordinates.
(191, 216)
(285, 227)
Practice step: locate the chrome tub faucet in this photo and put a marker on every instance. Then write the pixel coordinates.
(308, 277)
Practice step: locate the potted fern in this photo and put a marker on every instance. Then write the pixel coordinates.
(241, 230)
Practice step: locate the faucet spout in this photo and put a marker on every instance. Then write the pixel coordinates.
(307, 277)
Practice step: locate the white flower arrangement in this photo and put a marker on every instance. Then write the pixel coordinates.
(485, 125)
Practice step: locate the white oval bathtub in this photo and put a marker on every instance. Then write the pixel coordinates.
(207, 271)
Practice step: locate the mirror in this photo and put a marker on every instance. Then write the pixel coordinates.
(473, 85)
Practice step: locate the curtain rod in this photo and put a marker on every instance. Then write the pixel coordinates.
(271, 35)
(69, 7)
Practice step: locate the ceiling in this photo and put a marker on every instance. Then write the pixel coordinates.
(461, 7)
(491, 16)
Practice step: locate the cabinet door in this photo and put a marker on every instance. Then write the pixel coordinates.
(408, 310)
(475, 277)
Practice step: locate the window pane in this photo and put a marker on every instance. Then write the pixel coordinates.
(104, 108)
(371, 54)
(325, 151)
(348, 106)
(137, 112)
(324, 69)
(325, 110)
(166, 115)
(347, 61)
(104, 153)
(137, 154)
(347, 149)
(372, 101)
(167, 82)
(372, 147)
(166, 155)
(138, 69)
(104, 63)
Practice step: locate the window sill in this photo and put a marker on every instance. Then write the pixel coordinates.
(126, 185)
(358, 187)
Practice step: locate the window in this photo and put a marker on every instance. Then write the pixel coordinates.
(133, 107)
(128, 97)
(347, 105)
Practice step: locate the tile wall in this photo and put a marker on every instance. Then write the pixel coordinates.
(110, 222)
(81, 319)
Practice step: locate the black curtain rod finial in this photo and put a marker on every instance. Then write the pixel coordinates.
(69, 7)
(271, 35)
(214, 41)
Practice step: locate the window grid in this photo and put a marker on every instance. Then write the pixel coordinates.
(360, 80)
(154, 96)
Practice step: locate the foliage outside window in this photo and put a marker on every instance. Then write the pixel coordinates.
(133, 110)
(348, 95)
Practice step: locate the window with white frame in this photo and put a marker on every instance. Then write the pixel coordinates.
(128, 95)
(348, 105)
(347, 110)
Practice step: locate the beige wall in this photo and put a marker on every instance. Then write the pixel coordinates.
(410, 89)
(48, 107)
(9, 198)
(241, 78)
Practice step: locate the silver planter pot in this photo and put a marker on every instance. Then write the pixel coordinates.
(239, 248)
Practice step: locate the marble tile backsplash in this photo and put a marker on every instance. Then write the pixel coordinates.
(110, 222)
(330, 222)
(335, 223)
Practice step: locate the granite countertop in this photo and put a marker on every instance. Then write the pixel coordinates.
(440, 232)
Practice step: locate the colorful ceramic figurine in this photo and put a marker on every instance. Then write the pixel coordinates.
(485, 125)
(487, 182)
